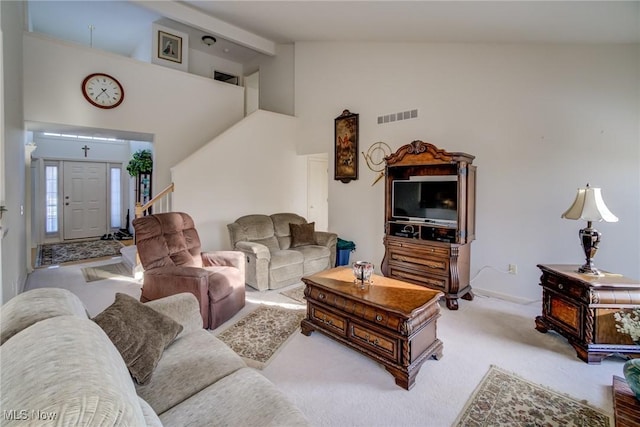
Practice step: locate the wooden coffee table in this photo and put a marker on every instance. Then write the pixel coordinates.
(390, 321)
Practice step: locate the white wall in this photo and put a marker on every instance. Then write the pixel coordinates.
(181, 110)
(71, 149)
(203, 64)
(13, 178)
(542, 120)
(250, 169)
(276, 79)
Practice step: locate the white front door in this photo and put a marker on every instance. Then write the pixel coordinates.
(85, 199)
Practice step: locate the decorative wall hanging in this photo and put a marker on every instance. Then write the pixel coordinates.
(346, 147)
(169, 47)
(375, 158)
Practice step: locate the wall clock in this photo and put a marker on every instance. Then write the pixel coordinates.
(102, 90)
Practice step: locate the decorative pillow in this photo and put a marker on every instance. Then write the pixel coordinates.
(302, 234)
(139, 333)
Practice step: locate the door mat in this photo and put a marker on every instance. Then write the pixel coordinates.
(260, 334)
(505, 399)
(58, 253)
(109, 271)
(296, 294)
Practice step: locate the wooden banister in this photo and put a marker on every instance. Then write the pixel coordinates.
(140, 208)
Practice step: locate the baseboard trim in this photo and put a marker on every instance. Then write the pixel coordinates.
(507, 297)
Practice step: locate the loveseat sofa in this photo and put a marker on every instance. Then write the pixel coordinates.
(60, 368)
(281, 248)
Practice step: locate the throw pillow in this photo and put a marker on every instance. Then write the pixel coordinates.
(302, 234)
(139, 333)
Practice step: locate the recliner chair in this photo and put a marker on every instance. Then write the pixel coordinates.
(170, 252)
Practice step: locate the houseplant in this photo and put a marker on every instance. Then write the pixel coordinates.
(141, 162)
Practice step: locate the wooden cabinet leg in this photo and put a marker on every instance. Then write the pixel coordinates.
(452, 303)
(541, 325)
(306, 328)
(468, 296)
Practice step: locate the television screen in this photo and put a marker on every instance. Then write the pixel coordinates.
(428, 198)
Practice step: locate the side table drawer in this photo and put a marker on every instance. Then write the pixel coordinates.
(563, 311)
(381, 344)
(565, 287)
(328, 320)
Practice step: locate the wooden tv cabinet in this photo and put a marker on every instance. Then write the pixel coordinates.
(581, 308)
(429, 254)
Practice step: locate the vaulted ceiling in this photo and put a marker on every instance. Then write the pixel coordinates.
(244, 28)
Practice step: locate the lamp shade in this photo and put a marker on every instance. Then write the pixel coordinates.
(589, 206)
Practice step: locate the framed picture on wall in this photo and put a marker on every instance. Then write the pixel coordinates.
(169, 47)
(346, 147)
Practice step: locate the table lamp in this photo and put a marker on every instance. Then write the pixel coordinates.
(589, 206)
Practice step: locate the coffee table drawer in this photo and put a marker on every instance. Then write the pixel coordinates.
(380, 343)
(356, 308)
(328, 320)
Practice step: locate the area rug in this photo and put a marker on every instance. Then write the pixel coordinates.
(109, 271)
(58, 253)
(504, 399)
(296, 294)
(258, 336)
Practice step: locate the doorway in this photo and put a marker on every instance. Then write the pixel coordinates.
(85, 199)
(251, 93)
(318, 191)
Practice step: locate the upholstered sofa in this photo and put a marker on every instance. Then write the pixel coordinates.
(60, 368)
(281, 248)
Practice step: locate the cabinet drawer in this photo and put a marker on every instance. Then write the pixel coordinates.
(432, 250)
(328, 320)
(420, 277)
(381, 344)
(564, 312)
(420, 261)
(565, 287)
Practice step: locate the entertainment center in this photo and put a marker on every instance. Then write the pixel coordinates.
(430, 219)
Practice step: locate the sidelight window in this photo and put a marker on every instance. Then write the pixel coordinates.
(51, 199)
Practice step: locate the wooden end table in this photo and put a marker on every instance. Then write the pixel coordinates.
(581, 307)
(390, 321)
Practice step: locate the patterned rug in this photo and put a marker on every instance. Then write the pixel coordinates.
(58, 253)
(296, 294)
(258, 336)
(109, 271)
(504, 399)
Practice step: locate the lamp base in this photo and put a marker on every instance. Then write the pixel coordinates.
(590, 238)
(590, 270)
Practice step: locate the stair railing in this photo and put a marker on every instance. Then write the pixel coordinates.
(163, 199)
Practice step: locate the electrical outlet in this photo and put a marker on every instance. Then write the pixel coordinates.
(513, 269)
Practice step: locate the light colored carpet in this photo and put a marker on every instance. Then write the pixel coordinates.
(336, 386)
(296, 294)
(107, 271)
(505, 399)
(258, 335)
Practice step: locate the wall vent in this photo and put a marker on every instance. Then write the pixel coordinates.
(395, 117)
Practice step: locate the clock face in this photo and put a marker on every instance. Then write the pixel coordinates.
(102, 90)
